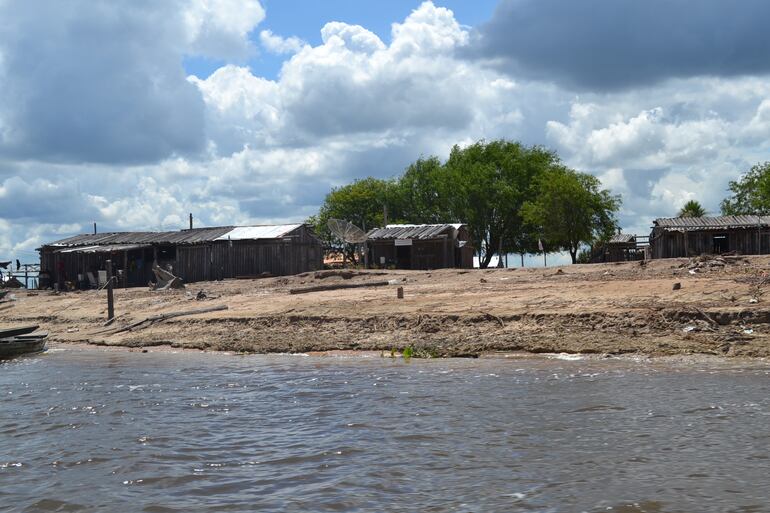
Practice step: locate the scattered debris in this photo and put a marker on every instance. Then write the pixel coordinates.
(677, 286)
(165, 280)
(12, 283)
(705, 263)
(162, 317)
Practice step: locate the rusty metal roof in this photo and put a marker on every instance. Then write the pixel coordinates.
(622, 238)
(194, 236)
(413, 231)
(102, 249)
(711, 223)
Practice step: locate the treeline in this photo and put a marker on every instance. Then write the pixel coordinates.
(510, 195)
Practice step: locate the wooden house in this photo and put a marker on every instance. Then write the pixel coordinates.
(621, 247)
(420, 246)
(692, 236)
(198, 254)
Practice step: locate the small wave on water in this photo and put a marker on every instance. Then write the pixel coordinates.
(120, 431)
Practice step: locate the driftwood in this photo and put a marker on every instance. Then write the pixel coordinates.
(337, 286)
(162, 317)
(6, 307)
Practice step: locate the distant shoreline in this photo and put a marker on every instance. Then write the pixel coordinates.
(599, 309)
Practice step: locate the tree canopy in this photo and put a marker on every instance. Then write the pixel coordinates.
(490, 183)
(692, 209)
(362, 202)
(571, 209)
(508, 194)
(750, 194)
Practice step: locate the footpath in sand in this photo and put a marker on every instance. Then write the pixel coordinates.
(627, 307)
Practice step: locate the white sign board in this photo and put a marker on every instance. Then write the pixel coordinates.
(403, 242)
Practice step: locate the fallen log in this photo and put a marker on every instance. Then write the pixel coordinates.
(337, 286)
(162, 317)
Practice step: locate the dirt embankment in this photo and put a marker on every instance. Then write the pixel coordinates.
(606, 308)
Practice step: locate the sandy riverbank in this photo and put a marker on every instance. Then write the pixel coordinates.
(597, 309)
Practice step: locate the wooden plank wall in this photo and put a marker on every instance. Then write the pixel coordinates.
(743, 241)
(298, 253)
(426, 254)
(225, 259)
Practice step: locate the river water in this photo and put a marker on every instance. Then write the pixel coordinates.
(88, 430)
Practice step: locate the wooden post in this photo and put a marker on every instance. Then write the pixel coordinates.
(110, 298)
(125, 269)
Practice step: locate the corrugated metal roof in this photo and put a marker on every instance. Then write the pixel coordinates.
(259, 232)
(622, 238)
(412, 231)
(102, 249)
(194, 236)
(711, 223)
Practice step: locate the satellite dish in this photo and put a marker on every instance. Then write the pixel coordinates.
(346, 232)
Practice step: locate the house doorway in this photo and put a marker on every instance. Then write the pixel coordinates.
(720, 244)
(403, 257)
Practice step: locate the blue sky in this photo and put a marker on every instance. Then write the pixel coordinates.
(304, 19)
(133, 114)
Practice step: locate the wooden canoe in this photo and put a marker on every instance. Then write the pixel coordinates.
(15, 332)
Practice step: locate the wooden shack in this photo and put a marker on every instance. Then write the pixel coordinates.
(621, 247)
(693, 236)
(420, 246)
(198, 254)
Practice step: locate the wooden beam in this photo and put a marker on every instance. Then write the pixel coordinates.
(322, 288)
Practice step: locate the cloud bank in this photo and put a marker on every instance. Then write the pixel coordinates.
(613, 44)
(99, 121)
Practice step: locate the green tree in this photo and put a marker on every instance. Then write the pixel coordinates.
(692, 209)
(571, 209)
(361, 202)
(422, 193)
(486, 185)
(750, 194)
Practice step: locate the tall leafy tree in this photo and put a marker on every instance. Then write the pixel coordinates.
(362, 203)
(487, 184)
(750, 194)
(692, 209)
(422, 193)
(571, 210)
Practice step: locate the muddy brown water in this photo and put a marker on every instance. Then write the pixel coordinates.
(87, 430)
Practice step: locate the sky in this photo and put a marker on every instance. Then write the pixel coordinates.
(131, 114)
